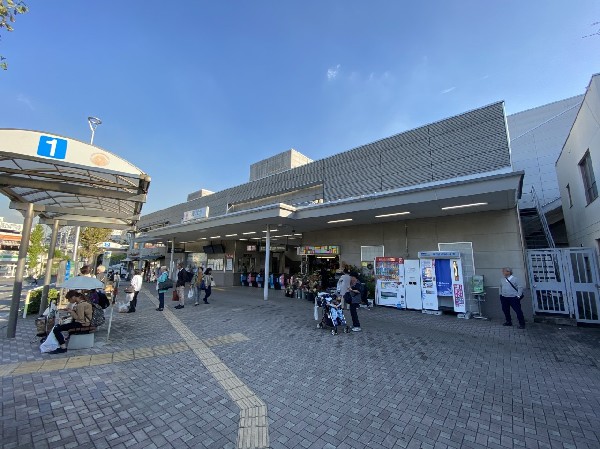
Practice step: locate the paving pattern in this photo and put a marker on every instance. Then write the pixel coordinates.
(407, 381)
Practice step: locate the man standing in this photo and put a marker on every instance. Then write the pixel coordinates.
(343, 284)
(354, 297)
(511, 293)
(181, 280)
(136, 283)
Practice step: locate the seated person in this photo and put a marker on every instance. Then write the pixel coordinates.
(335, 311)
(81, 311)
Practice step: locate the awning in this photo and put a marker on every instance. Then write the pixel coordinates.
(71, 181)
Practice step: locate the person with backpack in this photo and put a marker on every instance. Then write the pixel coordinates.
(208, 279)
(81, 312)
(511, 293)
(161, 292)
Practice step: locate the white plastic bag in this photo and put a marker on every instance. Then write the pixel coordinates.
(50, 309)
(191, 294)
(50, 344)
(316, 313)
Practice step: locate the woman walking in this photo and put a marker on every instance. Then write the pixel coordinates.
(198, 284)
(208, 279)
(161, 293)
(136, 283)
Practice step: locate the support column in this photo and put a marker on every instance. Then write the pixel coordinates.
(18, 285)
(47, 278)
(76, 251)
(267, 264)
(171, 267)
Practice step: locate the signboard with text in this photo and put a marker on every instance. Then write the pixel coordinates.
(195, 214)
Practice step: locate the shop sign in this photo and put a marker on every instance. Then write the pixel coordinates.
(318, 250)
(251, 248)
(439, 254)
(274, 249)
(5, 226)
(195, 214)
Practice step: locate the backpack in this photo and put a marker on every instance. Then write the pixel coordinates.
(102, 299)
(97, 315)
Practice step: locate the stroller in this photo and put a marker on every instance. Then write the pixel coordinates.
(332, 316)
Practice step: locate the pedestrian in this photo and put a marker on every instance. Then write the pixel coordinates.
(81, 312)
(180, 286)
(198, 284)
(511, 293)
(85, 271)
(354, 297)
(136, 283)
(161, 293)
(208, 280)
(343, 284)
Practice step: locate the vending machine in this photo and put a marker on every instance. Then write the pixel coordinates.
(412, 285)
(389, 287)
(442, 282)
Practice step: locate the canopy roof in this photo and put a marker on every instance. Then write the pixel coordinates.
(70, 181)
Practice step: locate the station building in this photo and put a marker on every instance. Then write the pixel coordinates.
(446, 185)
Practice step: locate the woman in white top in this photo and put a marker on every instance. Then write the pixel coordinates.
(136, 283)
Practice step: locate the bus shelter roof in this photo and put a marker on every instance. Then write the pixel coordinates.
(67, 180)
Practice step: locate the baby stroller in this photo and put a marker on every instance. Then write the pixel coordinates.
(332, 316)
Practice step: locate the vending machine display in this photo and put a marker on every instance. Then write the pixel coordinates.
(389, 287)
(412, 285)
(442, 284)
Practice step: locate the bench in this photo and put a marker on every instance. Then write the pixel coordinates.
(82, 337)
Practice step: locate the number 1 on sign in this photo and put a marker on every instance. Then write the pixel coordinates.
(52, 144)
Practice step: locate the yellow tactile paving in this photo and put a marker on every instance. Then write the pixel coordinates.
(82, 361)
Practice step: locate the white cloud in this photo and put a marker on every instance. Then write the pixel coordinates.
(332, 72)
(445, 91)
(26, 101)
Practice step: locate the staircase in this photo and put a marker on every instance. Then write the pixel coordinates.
(536, 230)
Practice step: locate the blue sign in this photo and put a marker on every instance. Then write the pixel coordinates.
(52, 147)
(68, 270)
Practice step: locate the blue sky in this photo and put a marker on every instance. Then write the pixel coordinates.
(193, 92)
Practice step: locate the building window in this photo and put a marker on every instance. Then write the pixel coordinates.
(589, 182)
(569, 195)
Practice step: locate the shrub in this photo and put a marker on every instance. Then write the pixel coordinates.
(35, 299)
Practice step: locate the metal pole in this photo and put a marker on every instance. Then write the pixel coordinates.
(171, 267)
(18, 285)
(93, 132)
(47, 278)
(76, 250)
(267, 264)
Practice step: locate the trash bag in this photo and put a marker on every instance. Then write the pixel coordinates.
(50, 344)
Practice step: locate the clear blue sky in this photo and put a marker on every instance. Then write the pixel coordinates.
(193, 92)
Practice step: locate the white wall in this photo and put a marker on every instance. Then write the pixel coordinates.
(582, 220)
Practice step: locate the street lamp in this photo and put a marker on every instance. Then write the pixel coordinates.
(94, 122)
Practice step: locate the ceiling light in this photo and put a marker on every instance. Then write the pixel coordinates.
(464, 205)
(215, 237)
(203, 238)
(230, 235)
(340, 221)
(248, 233)
(392, 215)
(256, 238)
(272, 230)
(243, 240)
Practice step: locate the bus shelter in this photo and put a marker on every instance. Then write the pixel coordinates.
(65, 182)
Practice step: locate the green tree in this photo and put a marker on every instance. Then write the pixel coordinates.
(9, 9)
(90, 237)
(36, 245)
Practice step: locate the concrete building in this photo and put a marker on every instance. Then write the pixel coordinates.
(446, 183)
(537, 136)
(577, 168)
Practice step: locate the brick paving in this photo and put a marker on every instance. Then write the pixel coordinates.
(407, 381)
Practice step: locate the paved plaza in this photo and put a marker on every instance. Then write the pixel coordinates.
(247, 373)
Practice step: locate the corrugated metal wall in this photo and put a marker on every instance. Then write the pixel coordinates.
(470, 143)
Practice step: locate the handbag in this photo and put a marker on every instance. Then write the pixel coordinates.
(202, 285)
(516, 289)
(175, 296)
(129, 289)
(165, 285)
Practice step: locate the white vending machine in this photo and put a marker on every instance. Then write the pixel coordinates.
(412, 285)
(389, 287)
(442, 282)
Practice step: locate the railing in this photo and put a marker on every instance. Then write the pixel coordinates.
(542, 217)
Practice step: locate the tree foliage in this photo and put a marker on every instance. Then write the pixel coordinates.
(36, 245)
(9, 9)
(90, 237)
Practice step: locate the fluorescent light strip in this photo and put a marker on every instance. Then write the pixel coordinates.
(392, 215)
(248, 233)
(272, 230)
(464, 205)
(243, 240)
(230, 235)
(203, 238)
(215, 237)
(340, 221)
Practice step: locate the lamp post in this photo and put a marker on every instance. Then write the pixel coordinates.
(93, 122)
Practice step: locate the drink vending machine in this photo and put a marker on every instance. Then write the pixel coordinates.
(389, 287)
(442, 281)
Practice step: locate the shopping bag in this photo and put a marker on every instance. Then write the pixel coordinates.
(50, 344)
(191, 294)
(175, 296)
(212, 284)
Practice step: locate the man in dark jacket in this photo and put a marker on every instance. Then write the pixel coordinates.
(354, 297)
(180, 285)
